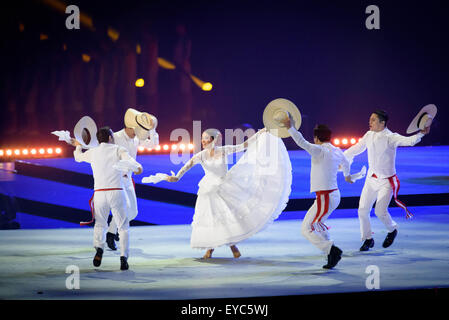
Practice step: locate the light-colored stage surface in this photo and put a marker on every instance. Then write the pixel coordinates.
(275, 262)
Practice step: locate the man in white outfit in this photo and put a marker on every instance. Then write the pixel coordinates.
(140, 130)
(326, 160)
(109, 192)
(381, 182)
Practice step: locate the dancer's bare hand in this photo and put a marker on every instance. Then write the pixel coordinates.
(139, 171)
(348, 179)
(172, 179)
(426, 130)
(74, 142)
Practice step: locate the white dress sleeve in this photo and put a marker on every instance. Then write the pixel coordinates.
(189, 164)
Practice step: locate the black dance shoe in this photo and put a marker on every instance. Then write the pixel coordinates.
(390, 238)
(98, 257)
(333, 257)
(124, 263)
(110, 237)
(369, 243)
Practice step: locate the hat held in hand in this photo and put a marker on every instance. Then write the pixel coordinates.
(423, 119)
(276, 111)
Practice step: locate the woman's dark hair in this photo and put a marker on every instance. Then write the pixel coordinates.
(322, 132)
(382, 115)
(103, 134)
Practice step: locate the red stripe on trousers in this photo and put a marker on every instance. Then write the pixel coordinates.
(91, 205)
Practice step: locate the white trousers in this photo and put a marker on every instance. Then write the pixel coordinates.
(131, 204)
(313, 228)
(379, 191)
(114, 201)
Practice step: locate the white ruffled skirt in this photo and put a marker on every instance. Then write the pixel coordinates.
(250, 197)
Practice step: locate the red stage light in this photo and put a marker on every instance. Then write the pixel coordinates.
(336, 142)
(41, 150)
(58, 150)
(344, 141)
(8, 152)
(33, 151)
(2, 153)
(190, 146)
(174, 147)
(165, 147)
(50, 150)
(182, 146)
(353, 141)
(158, 147)
(17, 152)
(25, 152)
(141, 149)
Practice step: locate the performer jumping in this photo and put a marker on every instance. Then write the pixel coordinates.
(381, 182)
(109, 194)
(234, 205)
(140, 130)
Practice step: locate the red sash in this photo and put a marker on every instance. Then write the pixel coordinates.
(316, 223)
(91, 205)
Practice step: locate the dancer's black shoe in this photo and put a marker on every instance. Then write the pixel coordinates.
(333, 257)
(369, 243)
(110, 237)
(116, 237)
(98, 257)
(390, 238)
(124, 263)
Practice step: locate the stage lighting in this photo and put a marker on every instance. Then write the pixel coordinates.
(158, 147)
(353, 141)
(165, 64)
(205, 86)
(113, 34)
(182, 146)
(25, 152)
(344, 141)
(149, 149)
(336, 142)
(138, 49)
(33, 151)
(50, 151)
(58, 150)
(174, 147)
(165, 147)
(17, 152)
(2, 153)
(8, 152)
(140, 83)
(86, 57)
(141, 149)
(190, 146)
(41, 151)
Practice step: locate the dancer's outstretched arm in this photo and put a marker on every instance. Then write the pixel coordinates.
(78, 154)
(229, 149)
(152, 141)
(189, 164)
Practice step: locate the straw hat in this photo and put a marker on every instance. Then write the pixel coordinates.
(85, 132)
(278, 110)
(141, 122)
(423, 119)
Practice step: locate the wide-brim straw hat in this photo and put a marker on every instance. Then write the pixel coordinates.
(423, 119)
(141, 122)
(278, 110)
(85, 132)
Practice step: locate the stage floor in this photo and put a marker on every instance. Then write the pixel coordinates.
(275, 262)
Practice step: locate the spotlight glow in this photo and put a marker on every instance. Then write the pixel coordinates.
(182, 146)
(8, 152)
(141, 149)
(344, 141)
(58, 150)
(166, 147)
(336, 142)
(353, 141)
(158, 147)
(33, 151)
(50, 150)
(25, 152)
(174, 147)
(140, 83)
(17, 152)
(190, 146)
(41, 151)
(2, 153)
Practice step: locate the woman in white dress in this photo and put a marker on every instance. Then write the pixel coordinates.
(234, 205)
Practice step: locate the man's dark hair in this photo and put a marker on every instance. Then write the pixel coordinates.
(382, 115)
(103, 134)
(322, 132)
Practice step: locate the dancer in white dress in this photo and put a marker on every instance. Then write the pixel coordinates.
(234, 205)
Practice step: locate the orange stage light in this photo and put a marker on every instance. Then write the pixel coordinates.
(33, 151)
(353, 141)
(336, 142)
(8, 152)
(190, 146)
(41, 151)
(165, 147)
(25, 152)
(140, 148)
(17, 152)
(158, 147)
(182, 146)
(344, 141)
(2, 153)
(58, 150)
(50, 150)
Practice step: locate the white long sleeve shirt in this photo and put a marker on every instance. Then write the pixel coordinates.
(131, 144)
(326, 159)
(381, 150)
(101, 159)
